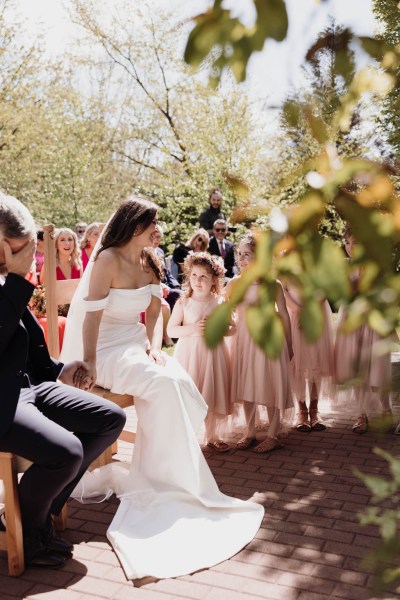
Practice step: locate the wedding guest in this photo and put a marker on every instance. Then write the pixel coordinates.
(68, 256)
(220, 246)
(44, 419)
(168, 280)
(39, 254)
(80, 229)
(198, 242)
(213, 212)
(88, 242)
(165, 306)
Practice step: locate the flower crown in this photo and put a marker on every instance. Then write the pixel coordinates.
(216, 263)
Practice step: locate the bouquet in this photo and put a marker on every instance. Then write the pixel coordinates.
(37, 303)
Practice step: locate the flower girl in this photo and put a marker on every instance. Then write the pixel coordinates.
(209, 368)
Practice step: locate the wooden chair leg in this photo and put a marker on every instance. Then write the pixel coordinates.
(13, 534)
(104, 459)
(60, 521)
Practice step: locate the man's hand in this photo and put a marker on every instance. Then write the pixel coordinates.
(19, 261)
(76, 374)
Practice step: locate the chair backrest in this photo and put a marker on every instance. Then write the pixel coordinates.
(57, 292)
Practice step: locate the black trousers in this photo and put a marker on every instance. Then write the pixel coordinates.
(60, 429)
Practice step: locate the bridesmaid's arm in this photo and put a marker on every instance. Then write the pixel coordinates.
(42, 276)
(284, 314)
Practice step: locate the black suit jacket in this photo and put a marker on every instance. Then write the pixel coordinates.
(23, 348)
(229, 260)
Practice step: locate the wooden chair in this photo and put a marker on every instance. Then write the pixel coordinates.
(11, 540)
(61, 292)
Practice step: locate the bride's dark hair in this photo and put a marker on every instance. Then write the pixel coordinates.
(131, 218)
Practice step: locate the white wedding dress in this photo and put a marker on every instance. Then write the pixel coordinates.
(172, 519)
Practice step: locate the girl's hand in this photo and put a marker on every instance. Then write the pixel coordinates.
(198, 328)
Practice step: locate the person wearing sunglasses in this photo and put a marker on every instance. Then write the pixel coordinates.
(198, 242)
(219, 246)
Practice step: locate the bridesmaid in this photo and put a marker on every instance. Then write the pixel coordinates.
(312, 362)
(257, 380)
(68, 256)
(355, 359)
(88, 242)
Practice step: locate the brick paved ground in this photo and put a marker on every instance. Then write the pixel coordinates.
(309, 547)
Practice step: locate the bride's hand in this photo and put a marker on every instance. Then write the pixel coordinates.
(86, 376)
(156, 356)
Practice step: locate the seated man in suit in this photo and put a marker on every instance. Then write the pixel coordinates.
(59, 428)
(222, 247)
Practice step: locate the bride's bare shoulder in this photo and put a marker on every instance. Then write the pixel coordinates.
(107, 259)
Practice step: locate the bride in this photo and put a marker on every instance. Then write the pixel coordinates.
(172, 519)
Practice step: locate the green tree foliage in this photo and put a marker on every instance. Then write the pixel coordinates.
(387, 14)
(56, 150)
(177, 137)
(359, 188)
(385, 513)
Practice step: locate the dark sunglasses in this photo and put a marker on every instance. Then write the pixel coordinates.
(200, 239)
(220, 230)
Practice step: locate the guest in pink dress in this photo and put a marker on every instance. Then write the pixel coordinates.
(68, 256)
(359, 363)
(259, 382)
(209, 368)
(88, 242)
(312, 362)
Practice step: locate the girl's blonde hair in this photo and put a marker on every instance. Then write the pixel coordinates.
(204, 236)
(214, 264)
(75, 258)
(89, 230)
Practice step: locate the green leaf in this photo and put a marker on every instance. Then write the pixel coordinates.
(389, 528)
(374, 47)
(329, 272)
(378, 323)
(379, 487)
(241, 284)
(393, 461)
(272, 19)
(291, 113)
(317, 126)
(311, 319)
(263, 252)
(238, 186)
(217, 324)
(266, 328)
(307, 214)
(368, 224)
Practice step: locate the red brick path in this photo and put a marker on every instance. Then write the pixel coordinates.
(309, 547)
